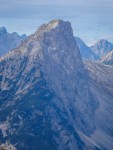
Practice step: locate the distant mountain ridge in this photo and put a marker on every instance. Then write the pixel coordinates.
(86, 51)
(102, 47)
(9, 41)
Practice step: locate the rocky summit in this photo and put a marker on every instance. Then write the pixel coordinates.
(51, 99)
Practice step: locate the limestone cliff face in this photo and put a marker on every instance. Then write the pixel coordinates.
(45, 98)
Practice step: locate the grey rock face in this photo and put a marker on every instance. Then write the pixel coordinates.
(9, 41)
(46, 100)
(101, 85)
(108, 59)
(102, 47)
(86, 51)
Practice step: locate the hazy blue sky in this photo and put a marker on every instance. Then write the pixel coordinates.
(91, 19)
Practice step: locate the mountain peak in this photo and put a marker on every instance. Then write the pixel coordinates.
(103, 40)
(9, 41)
(56, 24)
(3, 30)
(45, 88)
(102, 47)
(86, 51)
